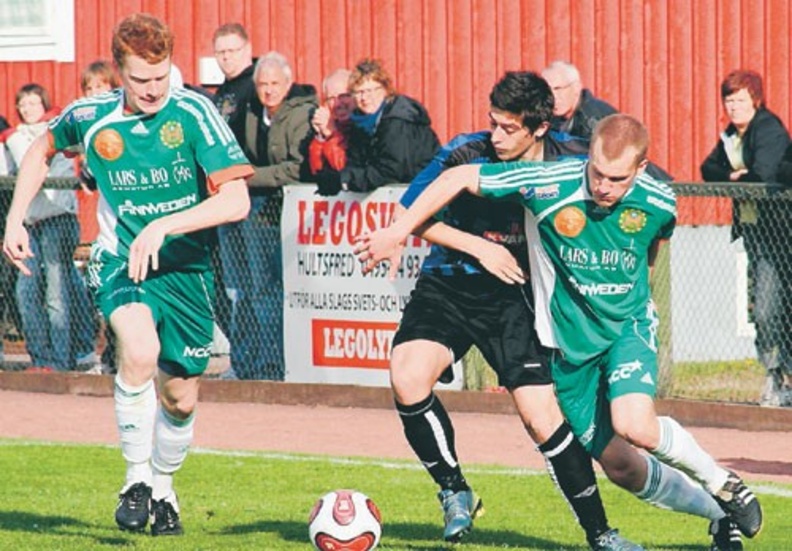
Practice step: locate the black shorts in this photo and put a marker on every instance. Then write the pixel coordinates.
(462, 310)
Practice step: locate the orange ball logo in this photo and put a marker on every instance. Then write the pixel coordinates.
(570, 221)
(109, 144)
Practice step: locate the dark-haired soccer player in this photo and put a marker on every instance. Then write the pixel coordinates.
(148, 146)
(457, 303)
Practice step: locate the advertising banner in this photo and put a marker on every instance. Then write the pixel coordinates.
(339, 323)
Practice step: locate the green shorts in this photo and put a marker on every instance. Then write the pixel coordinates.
(180, 302)
(585, 390)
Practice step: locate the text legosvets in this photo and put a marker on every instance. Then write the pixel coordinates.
(335, 222)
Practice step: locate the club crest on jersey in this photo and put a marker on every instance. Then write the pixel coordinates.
(172, 134)
(570, 221)
(109, 144)
(632, 220)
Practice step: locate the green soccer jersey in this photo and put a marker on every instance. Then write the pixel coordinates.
(148, 166)
(589, 264)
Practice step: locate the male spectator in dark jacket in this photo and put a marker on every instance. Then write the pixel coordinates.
(275, 139)
(576, 109)
(234, 55)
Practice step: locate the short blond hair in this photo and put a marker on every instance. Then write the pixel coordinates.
(618, 132)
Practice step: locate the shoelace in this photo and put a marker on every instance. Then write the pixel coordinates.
(170, 514)
(455, 507)
(136, 497)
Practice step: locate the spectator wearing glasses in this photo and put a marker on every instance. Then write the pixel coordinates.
(235, 57)
(331, 124)
(576, 110)
(391, 139)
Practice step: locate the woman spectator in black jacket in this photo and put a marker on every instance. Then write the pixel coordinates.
(391, 139)
(750, 150)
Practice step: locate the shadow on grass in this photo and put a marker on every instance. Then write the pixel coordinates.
(409, 535)
(22, 521)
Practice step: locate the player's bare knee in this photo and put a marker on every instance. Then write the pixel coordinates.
(538, 410)
(139, 358)
(180, 407)
(409, 384)
(624, 475)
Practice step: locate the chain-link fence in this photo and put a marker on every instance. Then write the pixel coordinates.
(722, 288)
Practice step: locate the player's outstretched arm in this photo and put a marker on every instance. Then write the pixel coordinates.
(230, 204)
(32, 172)
(386, 243)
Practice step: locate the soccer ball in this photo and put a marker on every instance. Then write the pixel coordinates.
(345, 520)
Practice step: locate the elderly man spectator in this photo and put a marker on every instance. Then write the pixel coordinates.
(277, 132)
(576, 109)
(331, 124)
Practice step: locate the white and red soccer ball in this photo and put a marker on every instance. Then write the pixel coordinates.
(345, 520)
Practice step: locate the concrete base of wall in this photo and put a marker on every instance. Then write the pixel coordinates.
(687, 412)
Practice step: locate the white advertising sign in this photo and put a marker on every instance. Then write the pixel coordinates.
(338, 322)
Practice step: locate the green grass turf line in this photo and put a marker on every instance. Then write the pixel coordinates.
(63, 497)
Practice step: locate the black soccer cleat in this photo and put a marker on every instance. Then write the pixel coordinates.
(741, 505)
(165, 519)
(725, 535)
(132, 511)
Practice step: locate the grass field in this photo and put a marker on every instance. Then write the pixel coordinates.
(56, 497)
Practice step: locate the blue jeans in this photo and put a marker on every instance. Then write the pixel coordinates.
(57, 318)
(250, 251)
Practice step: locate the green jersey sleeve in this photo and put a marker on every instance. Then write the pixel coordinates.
(215, 146)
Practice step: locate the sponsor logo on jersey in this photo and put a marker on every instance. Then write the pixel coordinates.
(197, 351)
(128, 207)
(235, 152)
(647, 379)
(632, 220)
(570, 221)
(140, 129)
(504, 238)
(527, 192)
(601, 289)
(624, 371)
(172, 134)
(85, 113)
(109, 144)
(547, 192)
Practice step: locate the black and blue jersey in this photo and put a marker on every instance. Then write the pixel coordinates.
(499, 222)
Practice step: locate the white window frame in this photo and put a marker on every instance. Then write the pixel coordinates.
(54, 41)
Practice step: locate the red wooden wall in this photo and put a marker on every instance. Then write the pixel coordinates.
(661, 60)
